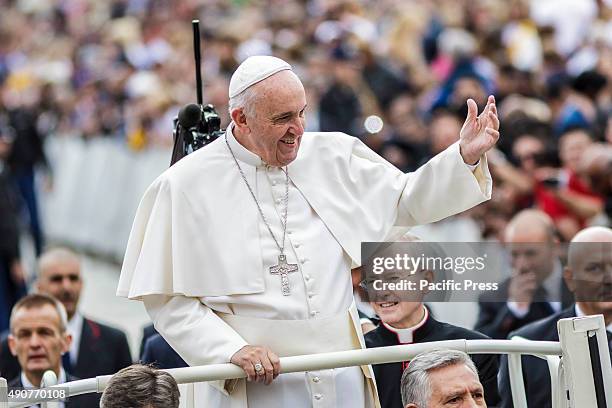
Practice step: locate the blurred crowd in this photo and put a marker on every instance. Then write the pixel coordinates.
(394, 73)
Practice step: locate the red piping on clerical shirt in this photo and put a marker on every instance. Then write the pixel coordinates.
(414, 328)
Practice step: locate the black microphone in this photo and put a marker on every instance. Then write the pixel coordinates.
(190, 115)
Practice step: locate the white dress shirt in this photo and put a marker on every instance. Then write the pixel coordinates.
(552, 284)
(27, 384)
(75, 327)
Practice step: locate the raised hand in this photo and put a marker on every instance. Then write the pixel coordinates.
(522, 288)
(479, 132)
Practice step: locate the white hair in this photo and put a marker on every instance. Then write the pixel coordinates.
(415, 385)
(245, 100)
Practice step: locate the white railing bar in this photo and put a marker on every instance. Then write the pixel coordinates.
(322, 361)
(517, 387)
(552, 348)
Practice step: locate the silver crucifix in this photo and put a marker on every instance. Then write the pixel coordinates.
(283, 269)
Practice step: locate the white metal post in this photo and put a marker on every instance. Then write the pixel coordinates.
(556, 390)
(517, 387)
(49, 379)
(3, 393)
(574, 337)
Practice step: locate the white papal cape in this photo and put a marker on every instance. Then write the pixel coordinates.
(199, 253)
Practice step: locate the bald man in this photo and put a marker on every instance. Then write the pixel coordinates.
(96, 349)
(589, 276)
(536, 273)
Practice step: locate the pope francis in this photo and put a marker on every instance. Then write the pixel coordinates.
(241, 252)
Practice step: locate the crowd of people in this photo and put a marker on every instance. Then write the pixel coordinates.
(122, 69)
(395, 74)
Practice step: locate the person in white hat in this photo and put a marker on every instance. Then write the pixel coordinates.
(242, 251)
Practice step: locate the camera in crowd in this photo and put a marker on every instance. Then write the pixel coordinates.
(195, 127)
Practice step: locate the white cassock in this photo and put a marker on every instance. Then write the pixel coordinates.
(199, 257)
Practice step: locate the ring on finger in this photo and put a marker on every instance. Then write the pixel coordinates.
(259, 368)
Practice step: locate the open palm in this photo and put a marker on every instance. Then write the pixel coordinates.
(479, 132)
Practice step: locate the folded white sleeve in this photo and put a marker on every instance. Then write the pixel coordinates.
(194, 331)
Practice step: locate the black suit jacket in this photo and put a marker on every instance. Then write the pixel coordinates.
(9, 228)
(157, 351)
(388, 376)
(102, 350)
(78, 401)
(497, 321)
(147, 332)
(535, 370)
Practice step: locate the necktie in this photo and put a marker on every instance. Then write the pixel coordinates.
(66, 362)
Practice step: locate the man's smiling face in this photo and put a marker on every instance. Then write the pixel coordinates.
(276, 126)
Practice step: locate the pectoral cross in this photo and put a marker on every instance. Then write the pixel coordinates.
(283, 269)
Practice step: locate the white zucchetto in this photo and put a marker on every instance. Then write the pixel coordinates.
(255, 69)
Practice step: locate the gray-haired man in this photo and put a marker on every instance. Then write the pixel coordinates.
(442, 378)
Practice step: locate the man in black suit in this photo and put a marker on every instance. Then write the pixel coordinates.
(536, 274)
(97, 349)
(38, 338)
(154, 349)
(589, 276)
(158, 352)
(407, 322)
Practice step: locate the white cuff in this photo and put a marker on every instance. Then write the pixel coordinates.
(517, 311)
